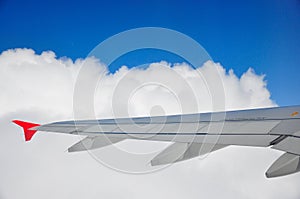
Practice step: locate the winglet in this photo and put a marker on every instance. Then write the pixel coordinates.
(26, 127)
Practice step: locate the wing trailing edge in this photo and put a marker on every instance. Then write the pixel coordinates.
(90, 143)
(177, 152)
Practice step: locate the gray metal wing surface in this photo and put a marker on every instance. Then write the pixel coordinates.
(197, 134)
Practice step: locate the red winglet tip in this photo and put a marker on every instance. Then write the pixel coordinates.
(17, 122)
(26, 127)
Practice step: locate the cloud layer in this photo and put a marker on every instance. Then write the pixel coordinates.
(44, 82)
(40, 88)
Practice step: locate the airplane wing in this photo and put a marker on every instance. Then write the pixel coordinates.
(193, 134)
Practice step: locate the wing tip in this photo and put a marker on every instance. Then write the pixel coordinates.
(28, 133)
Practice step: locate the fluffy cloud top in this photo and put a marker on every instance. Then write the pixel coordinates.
(40, 88)
(44, 82)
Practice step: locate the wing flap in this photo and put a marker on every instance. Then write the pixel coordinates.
(172, 153)
(286, 164)
(286, 127)
(177, 152)
(289, 144)
(89, 143)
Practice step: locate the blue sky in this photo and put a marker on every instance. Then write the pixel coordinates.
(263, 35)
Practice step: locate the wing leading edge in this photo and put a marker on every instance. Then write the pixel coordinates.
(194, 134)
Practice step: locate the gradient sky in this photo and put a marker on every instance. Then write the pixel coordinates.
(263, 35)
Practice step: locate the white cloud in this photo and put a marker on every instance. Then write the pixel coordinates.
(40, 88)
